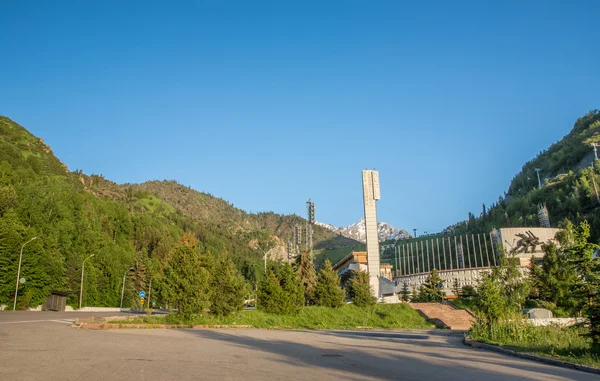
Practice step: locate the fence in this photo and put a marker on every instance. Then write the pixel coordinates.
(416, 256)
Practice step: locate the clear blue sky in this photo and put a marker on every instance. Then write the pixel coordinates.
(266, 104)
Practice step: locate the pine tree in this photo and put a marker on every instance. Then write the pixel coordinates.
(185, 281)
(305, 269)
(270, 294)
(227, 287)
(432, 290)
(328, 291)
(360, 290)
(293, 292)
(405, 292)
(282, 294)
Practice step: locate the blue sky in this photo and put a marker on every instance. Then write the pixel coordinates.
(266, 104)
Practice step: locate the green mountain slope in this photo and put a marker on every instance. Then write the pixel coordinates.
(75, 215)
(204, 207)
(568, 186)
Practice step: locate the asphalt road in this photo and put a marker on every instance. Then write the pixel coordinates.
(51, 350)
(24, 317)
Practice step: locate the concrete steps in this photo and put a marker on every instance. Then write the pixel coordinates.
(444, 315)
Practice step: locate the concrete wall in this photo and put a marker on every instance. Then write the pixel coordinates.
(561, 322)
(508, 238)
(465, 277)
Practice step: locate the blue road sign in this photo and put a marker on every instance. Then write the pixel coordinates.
(142, 294)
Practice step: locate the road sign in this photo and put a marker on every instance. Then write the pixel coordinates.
(142, 294)
(22, 280)
(142, 301)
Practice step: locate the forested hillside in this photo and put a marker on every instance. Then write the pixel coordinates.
(75, 215)
(570, 186)
(204, 207)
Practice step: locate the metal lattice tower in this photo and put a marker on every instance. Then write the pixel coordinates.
(543, 216)
(297, 238)
(310, 220)
(290, 251)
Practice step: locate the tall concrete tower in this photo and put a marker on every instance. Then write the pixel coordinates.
(370, 196)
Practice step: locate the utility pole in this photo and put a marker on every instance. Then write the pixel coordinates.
(537, 170)
(81, 288)
(19, 273)
(595, 147)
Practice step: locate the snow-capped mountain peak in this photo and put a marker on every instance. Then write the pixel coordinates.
(357, 231)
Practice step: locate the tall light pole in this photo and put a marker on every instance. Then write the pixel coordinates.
(264, 256)
(123, 288)
(81, 289)
(19, 273)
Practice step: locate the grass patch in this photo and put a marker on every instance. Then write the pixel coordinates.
(465, 303)
(386, 316)
(566, 343)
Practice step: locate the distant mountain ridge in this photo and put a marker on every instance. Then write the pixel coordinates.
(357, 231)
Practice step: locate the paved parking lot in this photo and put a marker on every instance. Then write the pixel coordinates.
(41, 348)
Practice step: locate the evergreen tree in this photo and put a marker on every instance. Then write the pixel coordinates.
(456, 288)
(283, 296)
(587, 266)
(270, 294)
(405, 292)
(432, 290)
(293, 291)
(328, 291)
(305, 269)
(185, 281)
(227, 287)
(360, 290)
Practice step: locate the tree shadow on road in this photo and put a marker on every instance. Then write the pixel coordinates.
(412, 361)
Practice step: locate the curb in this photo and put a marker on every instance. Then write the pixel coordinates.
(529, 356)
(101, 326)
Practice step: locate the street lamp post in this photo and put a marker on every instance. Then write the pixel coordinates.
(19, 273)
(264, 256)
(123, 288)
(81, 288)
